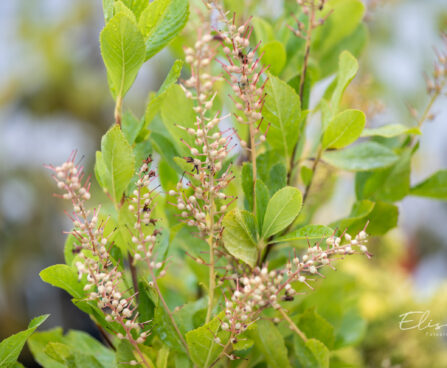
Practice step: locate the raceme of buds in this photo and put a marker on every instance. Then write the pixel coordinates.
(141, 203)
(103, 278)
(246, 76)
(309, 8)
(262, 288)
(211, 145)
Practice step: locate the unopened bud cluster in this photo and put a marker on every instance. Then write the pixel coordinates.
(436, 84)
(144, 237)
(103, 279)
(210, 145)
(246, 76)
(309, 8)
(262, 288)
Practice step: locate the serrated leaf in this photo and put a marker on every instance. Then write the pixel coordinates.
(361, 157)
(390, 130)
(64, 277)
(307, 232)
(240, 236)
(161, 21)
(11, 347)
(283, 112)
(201, 342)
(122, 49)
(344, 129)
(433, 187)
(269, 341)
(281, 210)
(119, 162)
(311, 353)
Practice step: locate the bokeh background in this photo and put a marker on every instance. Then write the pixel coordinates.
(54, 99)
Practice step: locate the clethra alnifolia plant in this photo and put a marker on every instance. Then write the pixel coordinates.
(205, 252)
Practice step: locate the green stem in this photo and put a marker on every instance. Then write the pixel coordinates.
(292, 325)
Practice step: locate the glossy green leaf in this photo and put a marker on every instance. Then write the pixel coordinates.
(64, 277)
(282, 110)
(161, 21)
(307, 232)
(390, 130)
(344, 129)
(240, 236)
(270, 343)
(273, 55)
(119, 162)
(281, 210)
(361, 157)
(11, 347)
(122, 48)
(433, 187)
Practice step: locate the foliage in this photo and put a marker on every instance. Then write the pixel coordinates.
(228, 212)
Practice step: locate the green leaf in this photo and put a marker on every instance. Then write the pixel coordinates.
(433, 187)
(361, 157)
(391, 184)
(119, 162)
(359, 211)
(277, 178)
(182, 115)
(161, 21)
(240, 235)
(345, 17)
(282, 209)
(307, 232)
(273, 54)
(263, 29)
(390, 130)
(162, 326)
(64, 277)
(70, 244)
(247, 183)
(203, 349)
(120, 7)
(107, 6)
(155, 101)
(262, 199)
(269, 341)
(37, 343)
(11, 347)
(344, 129)
(130, 126)
(122, 48)
(282, 111)
(347, 69)
(306, 174)
(315, 326)
(312, 353)
(137, 6)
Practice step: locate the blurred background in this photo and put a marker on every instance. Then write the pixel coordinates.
(54, 99)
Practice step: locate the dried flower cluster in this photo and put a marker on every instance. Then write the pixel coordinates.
(262, 289)
(103, 277)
